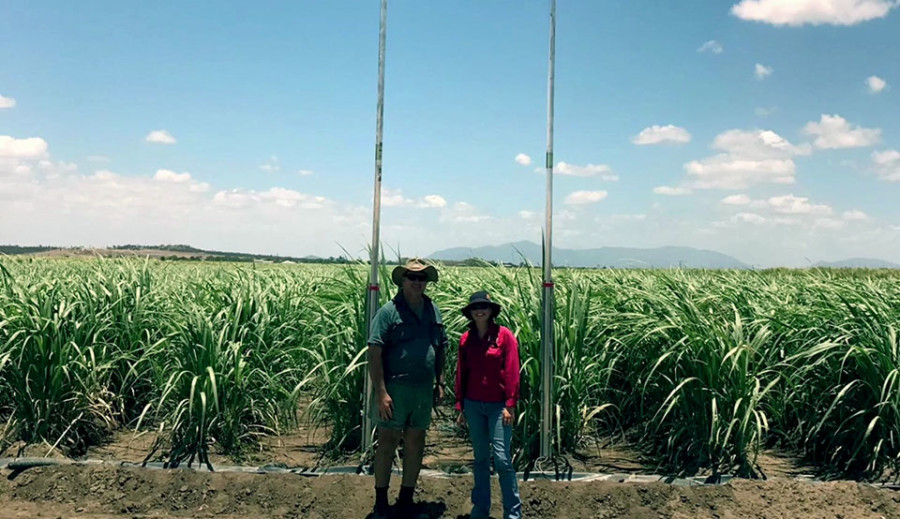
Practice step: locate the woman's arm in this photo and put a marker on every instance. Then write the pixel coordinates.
(461, 371)
(511, 368)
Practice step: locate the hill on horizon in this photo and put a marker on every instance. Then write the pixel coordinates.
(858, 263)
(609, 257)
(164, 252)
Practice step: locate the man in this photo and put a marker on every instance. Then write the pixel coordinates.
(406, 354)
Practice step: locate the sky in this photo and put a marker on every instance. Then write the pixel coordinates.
(764, 129)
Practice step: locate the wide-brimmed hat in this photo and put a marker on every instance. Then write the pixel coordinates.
(413, 265)
(480, 298)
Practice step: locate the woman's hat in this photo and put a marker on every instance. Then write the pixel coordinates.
(413, 265)
(480, 298)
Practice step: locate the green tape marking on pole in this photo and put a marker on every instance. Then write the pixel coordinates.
(378, 152)
(549, 160)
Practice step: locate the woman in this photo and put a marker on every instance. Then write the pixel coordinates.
(487, 388)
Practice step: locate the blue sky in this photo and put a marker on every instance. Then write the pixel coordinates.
(764, 129)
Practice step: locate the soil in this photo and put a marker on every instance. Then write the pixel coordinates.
(105, 491)
(109, 491)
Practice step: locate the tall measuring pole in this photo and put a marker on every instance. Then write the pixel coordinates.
(547, 321)
(372, 300)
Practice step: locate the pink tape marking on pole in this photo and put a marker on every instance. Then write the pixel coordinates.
(546, 285)
(374, 288)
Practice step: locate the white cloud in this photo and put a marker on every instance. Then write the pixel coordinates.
(790, 204)
(105, 174)
(761, 71)
(736, 200)
(814, 12)
(271, 165)
(241, 199)
(462, 212)
(523, 159)
(829, 223)
(30, 148)
(433, 201)
(728, 172)
(290, 198)
(160, 136)
(395, 198)
(628, 217)
(671, 191)
(527, 215)
(54, 204)
(758, 144)
(711, 46)
(749, 218)
(887, 165)
(834, 132)
(165, 175)
(234, 199)
(886, 158)
(305, 172)
(658, 134)
(585, 197)
(752, 157)
(875, 84)
(7, 102)
(855, 215)
(601, 171)
(275, 197)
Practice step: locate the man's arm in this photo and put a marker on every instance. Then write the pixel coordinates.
(376, 369)
(376, 366)
(440, 355)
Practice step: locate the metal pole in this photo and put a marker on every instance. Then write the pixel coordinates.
(372, 300)
(547, 328)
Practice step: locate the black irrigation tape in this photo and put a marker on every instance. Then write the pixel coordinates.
(21, 464)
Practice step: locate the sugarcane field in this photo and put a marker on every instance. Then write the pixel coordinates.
(739, 385)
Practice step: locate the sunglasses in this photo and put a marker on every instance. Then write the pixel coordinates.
(416, 277)
(480, 306)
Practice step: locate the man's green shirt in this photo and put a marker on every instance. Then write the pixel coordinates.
(408, 342)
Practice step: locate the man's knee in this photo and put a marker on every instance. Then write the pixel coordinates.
(388, 437)
(414, 440)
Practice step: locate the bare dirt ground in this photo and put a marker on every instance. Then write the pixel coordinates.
(114, 492)
(108, 491)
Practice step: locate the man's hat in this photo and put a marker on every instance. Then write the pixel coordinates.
(414, 265)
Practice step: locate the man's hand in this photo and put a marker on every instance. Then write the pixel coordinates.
(461, 420)
(509, 415)
(438, 393)
(385, 406)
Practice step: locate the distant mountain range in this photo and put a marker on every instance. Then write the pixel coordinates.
(611, 257)
(858, 263)
(166, 252)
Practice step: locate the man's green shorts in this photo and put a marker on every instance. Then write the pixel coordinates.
(412, 407)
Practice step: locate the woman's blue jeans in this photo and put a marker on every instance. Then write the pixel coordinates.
(489, 436)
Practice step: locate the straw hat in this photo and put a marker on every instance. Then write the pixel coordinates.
(414, 265)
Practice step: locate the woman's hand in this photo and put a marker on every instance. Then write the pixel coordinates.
(509, 415)
(461, 420)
